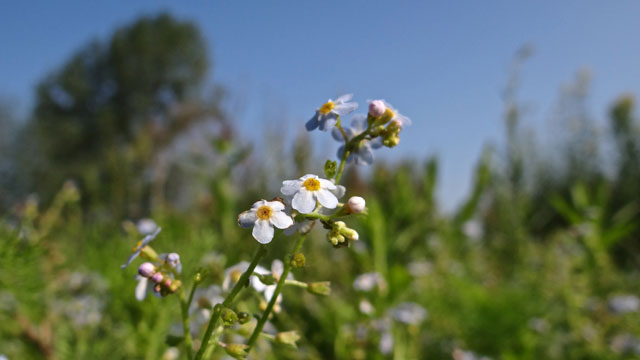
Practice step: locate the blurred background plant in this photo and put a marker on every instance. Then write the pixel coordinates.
(540, 261)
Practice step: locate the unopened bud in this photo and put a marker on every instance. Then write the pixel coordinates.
(288, 338)
(320, 288)
(157, 288)
(394, 126)
(237, 351)
(385, 118)
(173, 259)
(229, 317)
(267, 279)
(157, 277)
(175, 285)
(244, 317)
(377, 108)
(356, 205)
(298, 260)
(350, 234)
(167, 282)
(146, 269)
(148, 253)
(377, 131)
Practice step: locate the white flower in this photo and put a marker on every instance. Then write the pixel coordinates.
(409, 313)
(623, 304)
(368, 281)
(277, 268)
(263, 216)
(363, 154)
(327, 115)
(233, 274)
(141, 244)
(307, 190)
(146, 226)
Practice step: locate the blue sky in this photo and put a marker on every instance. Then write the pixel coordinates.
(442, 63)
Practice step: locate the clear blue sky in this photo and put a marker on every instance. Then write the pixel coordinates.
(442, 63)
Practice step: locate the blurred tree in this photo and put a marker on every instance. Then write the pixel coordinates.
(102, 117)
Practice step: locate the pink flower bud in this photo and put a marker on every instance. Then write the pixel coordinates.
(146, 269)
(356, 204)
(167, 282)
(377, 108)
(157, 277)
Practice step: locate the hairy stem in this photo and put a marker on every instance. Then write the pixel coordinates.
(262, 250)
(276, 293)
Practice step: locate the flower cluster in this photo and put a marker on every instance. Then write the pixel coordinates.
(304, 202)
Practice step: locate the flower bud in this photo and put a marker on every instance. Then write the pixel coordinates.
(175, 285)
(229, 317)
(157, 277)
(167, 282)
(391, 141)
(320, 288)
(377, 108)
(173, 259)
(237, 351)
(288, 338)
(394, 126)
(157, 288)
(350, 234)
(386, 117)
(148, 253)
(146, 269)
(356, 205)
(267, 279)
(244, 317)
(298, 260)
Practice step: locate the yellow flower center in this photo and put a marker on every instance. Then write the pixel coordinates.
(327, 107)
(312, 184)
(264, 212)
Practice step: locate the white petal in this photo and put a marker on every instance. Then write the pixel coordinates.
(326, 184)
(246, 219)
(141, 288)
(327, 199)
(405, 121)
(344, 109)
(359, 123)
(376, 143)
(337, 135)
(308, 176)
(277, 267)
(263, 231)
(258, 203)
(344, 98)
(365, 155)
(269, 291)
(281, 220)
(328, 121)
(313, 123)
(303, 201)
(339, 191)
(290, 187)
(275, 205)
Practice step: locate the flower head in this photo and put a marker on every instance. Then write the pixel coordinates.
(326, 115)
(391, 114)
(409, 313)
(144, 286)
(363, 154)
(146, 226)
(139, 246)
(307, 190)
(263, 216)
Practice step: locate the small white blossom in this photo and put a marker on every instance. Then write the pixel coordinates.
(363, 154)
(369, 281)
(307, 190)
(141, 244)
(146, 226)
(409, 313)
(326, 116)
(233, 274)
(263, 216)
(623, 304)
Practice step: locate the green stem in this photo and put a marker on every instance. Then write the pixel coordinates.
(276, 293)
(262, 250)
(313, 216)
(184, 307)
